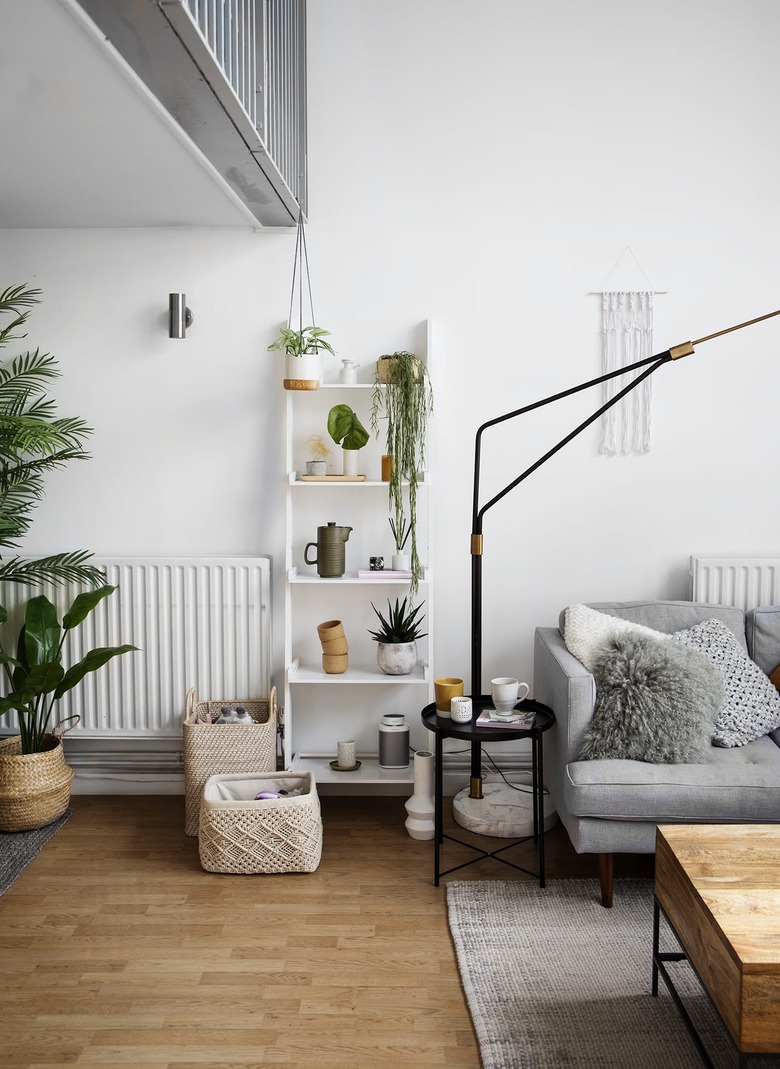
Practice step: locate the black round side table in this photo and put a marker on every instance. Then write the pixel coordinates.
(476, 734)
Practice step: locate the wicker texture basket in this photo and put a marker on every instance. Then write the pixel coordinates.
(34, 788)
(211, 749)
(239, 834)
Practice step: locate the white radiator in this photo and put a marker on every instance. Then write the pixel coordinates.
(742, 582)
(198, 622)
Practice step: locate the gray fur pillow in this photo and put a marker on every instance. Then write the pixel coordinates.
(655, 701)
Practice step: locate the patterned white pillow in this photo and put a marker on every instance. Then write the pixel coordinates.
(751, 706)
(588, 633)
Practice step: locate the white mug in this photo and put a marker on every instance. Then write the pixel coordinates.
(461, 710)
(506, 692)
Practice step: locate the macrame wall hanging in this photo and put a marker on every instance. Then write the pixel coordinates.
(626, 336)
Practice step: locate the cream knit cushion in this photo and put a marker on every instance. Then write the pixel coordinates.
(588, 634)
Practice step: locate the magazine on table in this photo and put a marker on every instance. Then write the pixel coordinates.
(521, 718)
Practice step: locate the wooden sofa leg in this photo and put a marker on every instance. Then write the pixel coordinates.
(606, 878)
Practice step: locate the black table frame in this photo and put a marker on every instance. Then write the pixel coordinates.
(445, 728)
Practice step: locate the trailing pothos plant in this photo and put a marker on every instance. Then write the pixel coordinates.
(33, 442)
(406, 402)
(36, 675)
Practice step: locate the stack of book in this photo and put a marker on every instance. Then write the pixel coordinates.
(520, 719)
(383, 573)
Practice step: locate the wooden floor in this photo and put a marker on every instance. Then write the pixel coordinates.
(117, 949)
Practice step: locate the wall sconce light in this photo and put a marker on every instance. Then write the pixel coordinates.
(179, 315)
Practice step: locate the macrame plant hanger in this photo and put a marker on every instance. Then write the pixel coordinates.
(300, 269)
(626, 336)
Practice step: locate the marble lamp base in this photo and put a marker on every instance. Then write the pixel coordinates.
(502, 812)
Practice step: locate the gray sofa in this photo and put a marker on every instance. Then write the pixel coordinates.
(613, 806)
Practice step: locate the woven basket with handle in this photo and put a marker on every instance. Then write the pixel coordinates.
(35, 787)
(214, 749)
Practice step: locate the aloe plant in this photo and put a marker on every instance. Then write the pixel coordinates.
(399, 625)
(36, 675)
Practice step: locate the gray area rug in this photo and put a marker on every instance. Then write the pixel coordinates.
(18, 848)
(554, 980)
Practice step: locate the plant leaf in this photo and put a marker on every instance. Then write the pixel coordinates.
(345, 428)
(94, 659)
(83, 605)
(42, 631)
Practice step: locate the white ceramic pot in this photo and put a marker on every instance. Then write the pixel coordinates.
(402, 562)
(396, 658)
(302, 372)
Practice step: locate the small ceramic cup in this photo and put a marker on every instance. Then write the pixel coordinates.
(447, 688)
(461, 710)
(506, 692)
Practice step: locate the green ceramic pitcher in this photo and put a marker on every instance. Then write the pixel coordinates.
(330, 559)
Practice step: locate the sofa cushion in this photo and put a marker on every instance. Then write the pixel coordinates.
(589, 634)
(762, 629)
(738, 784)
(751, 706)
(655, 701)
(669, 616)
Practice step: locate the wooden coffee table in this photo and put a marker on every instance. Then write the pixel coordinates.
(719, 887)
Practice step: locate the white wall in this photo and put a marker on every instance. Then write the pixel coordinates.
(485, 166)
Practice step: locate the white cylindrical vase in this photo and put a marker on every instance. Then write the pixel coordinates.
(349, 466)
(420, 822)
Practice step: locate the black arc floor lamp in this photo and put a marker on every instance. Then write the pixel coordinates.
(647, 366)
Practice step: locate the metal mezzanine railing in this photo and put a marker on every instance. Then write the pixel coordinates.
(260, 47)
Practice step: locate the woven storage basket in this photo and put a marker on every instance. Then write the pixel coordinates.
(211, 749)
(239, 834)
(35, 787)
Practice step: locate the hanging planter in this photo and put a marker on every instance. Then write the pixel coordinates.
(301, 345)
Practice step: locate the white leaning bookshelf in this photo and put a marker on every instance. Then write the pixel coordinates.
(319, 709)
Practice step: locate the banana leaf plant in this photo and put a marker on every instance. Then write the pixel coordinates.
(36, 675)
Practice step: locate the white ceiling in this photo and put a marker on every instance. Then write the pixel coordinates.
(82, 141)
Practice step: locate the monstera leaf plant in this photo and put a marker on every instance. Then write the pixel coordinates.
(36, 675)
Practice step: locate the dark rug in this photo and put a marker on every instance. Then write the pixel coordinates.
(18, 848)
(554, 980)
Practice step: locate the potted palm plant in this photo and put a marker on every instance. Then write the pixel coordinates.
(347, 431)
(403, 397)
(396, 652)
(33, 442)
(34, 778)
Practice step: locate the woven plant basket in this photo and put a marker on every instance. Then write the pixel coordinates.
(212, 749)
(34, 788)
(240, 834)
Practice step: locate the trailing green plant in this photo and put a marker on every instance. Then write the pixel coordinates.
(33, 441)
(406, 402)
(303, 340)
(36, 675)
(399, 625)
(345, 428)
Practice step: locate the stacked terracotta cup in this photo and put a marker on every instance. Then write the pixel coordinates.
(335, 650)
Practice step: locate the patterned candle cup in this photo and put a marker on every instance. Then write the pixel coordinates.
(461, 710)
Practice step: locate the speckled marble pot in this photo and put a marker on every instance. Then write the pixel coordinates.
(396, 658)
